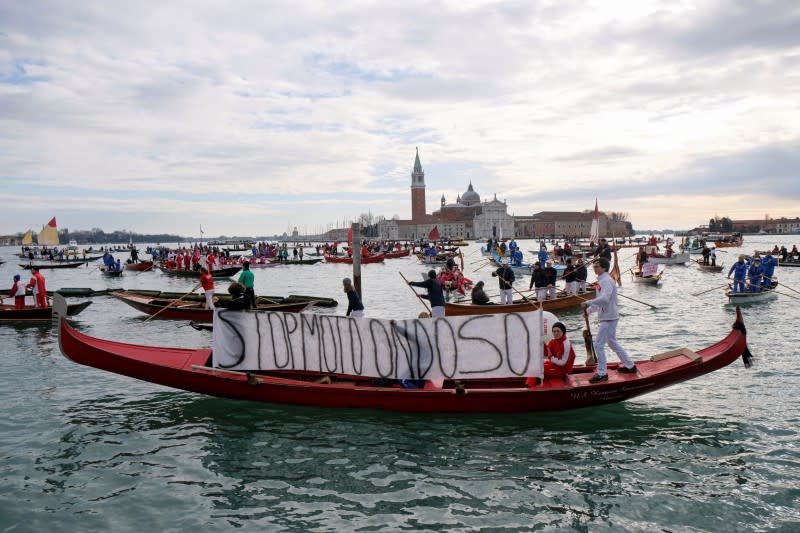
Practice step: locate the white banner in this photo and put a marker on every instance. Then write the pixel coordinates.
(492, 346)
(649, 269)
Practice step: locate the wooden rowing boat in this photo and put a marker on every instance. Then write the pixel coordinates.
(365, 259)
(224, 272)
(142, 266)
(54, 264)
(743, 298)
(675, 259)
(313, 261)
(166, 308)
(709, 267)
(519, 306)
(36, 314)
(190, 370)
(397, 254)
(654, 279)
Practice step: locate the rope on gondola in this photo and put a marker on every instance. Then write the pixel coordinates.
(747, 357)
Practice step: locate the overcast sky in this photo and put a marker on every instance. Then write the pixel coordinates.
(251, 118)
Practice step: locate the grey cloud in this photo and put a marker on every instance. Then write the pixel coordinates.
(720, 28)
(600, 154)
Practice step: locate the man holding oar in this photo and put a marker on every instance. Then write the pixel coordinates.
(435, 293)
(506, 277)
(605, 304)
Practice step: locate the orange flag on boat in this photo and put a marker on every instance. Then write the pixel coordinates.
(434, 234)
(614, 273)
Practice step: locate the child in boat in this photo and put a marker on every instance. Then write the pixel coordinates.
(238, 299)
(559, 355)
(479, 296)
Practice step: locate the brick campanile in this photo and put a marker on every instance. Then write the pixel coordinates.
(417, 191)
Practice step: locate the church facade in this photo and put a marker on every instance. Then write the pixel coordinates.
(466, 218)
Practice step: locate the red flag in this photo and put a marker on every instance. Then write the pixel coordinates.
(350, 235)
(52, 222)
(434, 234)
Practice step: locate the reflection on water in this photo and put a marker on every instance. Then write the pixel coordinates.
(303, 468)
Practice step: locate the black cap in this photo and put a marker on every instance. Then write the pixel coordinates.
(432, 274)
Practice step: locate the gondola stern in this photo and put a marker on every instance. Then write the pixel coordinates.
(747, 356)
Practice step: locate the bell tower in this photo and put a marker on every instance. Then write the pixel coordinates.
(417, 190)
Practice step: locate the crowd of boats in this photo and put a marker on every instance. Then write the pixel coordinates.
(194, 369)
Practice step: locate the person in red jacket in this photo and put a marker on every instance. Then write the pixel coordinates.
(39, 288)
(559, 355)
(207, 282)
(18, 293)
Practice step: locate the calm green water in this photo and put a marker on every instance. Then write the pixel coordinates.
(84, 450)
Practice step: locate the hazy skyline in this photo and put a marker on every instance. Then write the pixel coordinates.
(251, 118)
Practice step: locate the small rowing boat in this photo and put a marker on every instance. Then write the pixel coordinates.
(740, 298)
(709, 267)
(560, 303)
(397, 254)
(675, 259)
(365, 259)
(112, 273)
(171, 309)
(54, 264)
(36, 314)
(142, 266)
(651, 279)
(224, 272)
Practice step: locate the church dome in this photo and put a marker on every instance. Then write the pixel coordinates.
(470, 197)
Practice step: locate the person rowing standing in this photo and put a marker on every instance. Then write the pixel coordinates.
(605, 304)
(505, 277)
(435, 293)
(355, 308)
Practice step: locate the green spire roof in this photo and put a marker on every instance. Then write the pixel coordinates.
(417, 164)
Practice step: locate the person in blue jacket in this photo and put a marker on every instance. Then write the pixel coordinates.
(542, 254)
(739, 271)
(768, 264)
(754, 274)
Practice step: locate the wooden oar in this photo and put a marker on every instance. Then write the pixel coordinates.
(591, 355)
(781, 284)
(534, 304)
(784, 294)
(638, 301)
(488, 262)
(709, 290)
(415, 293)
(151, 317)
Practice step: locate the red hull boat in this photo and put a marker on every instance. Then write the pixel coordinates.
(223, 272)
(365, 259)
(190, 310)
(188, 369)
(140, 267)
(29, 314)
(397, 254)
